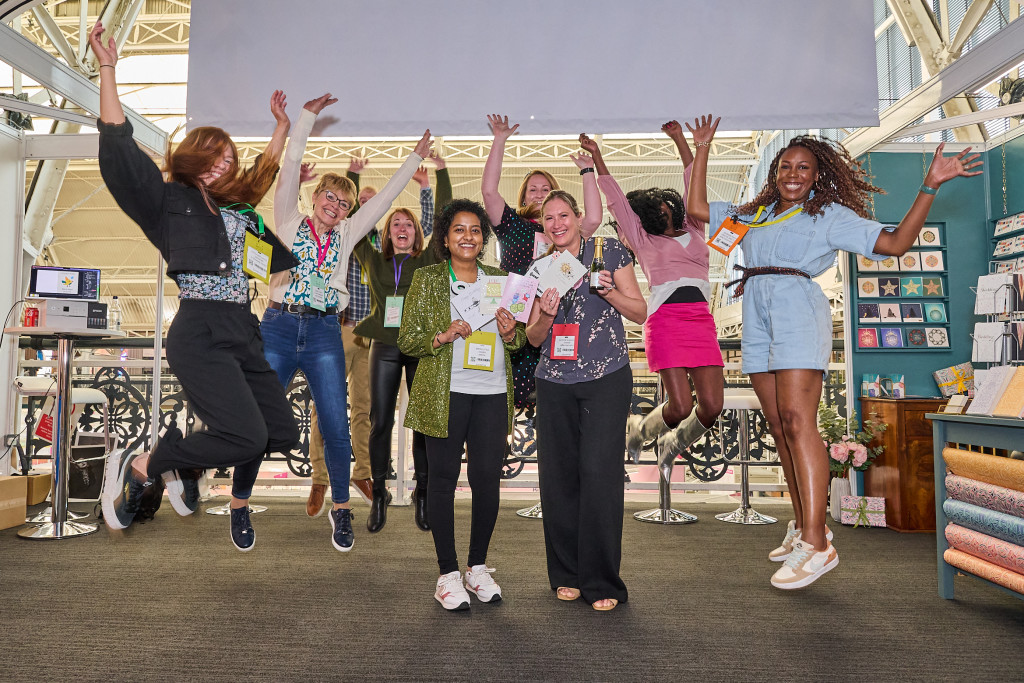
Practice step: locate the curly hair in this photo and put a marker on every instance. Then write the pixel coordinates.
(444, 223)
(646, 204)
(841, 180)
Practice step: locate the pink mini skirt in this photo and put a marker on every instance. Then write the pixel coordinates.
(681, 336)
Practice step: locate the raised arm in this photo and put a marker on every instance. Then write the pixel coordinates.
(697, 195)
(675, 131)
(110, 104)
(286, 194)
(444, 181)
(626, 221)
(276, 144)
(593, 211)
(493, 201)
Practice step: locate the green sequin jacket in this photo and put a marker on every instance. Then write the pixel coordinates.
(427, 312)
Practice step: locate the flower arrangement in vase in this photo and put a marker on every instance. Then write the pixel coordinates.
(847, 449)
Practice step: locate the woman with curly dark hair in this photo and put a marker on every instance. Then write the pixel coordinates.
(814, 203)
(679, 334)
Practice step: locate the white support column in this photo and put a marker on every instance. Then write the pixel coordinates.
(12, 195)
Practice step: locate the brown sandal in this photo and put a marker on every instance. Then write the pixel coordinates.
(569, 595)
(605, 608)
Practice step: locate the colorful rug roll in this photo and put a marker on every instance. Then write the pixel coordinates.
(986, 570)
(984, 547)
(989, 496)
(997, 524)
(991, 469)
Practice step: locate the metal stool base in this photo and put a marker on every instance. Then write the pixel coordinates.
(533, 512)
(664, 516)
(225, 509)
(742, 515)
(48, 531)
(46, 516)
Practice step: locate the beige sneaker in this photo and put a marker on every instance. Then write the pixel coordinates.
(805, 565)
(781, 553)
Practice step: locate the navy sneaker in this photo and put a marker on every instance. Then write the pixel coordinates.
(342, 537)
(182, 491)
(121, 490)
(242, 533)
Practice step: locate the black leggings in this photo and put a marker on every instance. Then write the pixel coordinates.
(481, 423)
(386, 365)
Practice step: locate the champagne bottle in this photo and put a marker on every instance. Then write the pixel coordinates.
(597, 265)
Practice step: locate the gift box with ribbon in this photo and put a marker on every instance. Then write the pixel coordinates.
(956, 379)
(863, 511)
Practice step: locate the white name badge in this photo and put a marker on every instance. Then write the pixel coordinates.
(256, 261)
(393, 311)
(317, 292)
(480, 348)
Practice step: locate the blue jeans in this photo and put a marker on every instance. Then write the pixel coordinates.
(312, 343)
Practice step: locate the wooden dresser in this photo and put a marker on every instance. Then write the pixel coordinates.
(903, 474)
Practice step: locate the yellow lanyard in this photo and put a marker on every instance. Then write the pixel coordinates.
(784, 217)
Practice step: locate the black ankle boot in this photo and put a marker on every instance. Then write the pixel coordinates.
(378, 516)
(419, 502)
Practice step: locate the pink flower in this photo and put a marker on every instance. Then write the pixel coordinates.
(860, 454)
(839, 452)
(846, 437)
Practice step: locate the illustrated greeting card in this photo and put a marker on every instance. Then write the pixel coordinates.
(518, 297)
(890, 264)
(910, 261)
(932, 260)
(888, 286)
(868, 286)
(935, 313)
(868, 313)
(564, 272)
(912, 313)
(932, 286)
(937, 337)
(490, 296)
(911, 286)
(867, 338)
(890, 313)
(891, 337)
(929, 237)
(916, 337)
(865, 263)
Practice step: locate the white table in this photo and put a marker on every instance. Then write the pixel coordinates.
(60, 527)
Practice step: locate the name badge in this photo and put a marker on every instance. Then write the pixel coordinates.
(480, 348)
(393, 311)
(729, 234)
(364, 279)
(317, 292)
(256, 261)
(565, 341)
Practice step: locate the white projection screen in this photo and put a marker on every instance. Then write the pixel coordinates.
(555, 66)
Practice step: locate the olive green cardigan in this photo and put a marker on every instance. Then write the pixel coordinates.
(427, 313)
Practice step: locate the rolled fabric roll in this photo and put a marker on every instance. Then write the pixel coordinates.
(991, 469)
(986, 570)
(998, 498)
(997, 524)
(985, 547)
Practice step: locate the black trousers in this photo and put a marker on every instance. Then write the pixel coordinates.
(216, 351)
(581, 429)
(481, 423)
(386, 365)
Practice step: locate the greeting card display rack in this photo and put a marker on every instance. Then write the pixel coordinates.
(1012, 338)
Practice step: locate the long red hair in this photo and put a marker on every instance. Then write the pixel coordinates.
(201, 149)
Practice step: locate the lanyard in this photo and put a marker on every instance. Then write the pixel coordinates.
(567, 302)
(784, 217)
(248, 209)
(321, 249)
(397, 267)
(451, 271)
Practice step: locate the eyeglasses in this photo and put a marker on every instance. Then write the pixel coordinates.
(343, 204)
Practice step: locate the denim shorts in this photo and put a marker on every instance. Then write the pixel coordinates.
(787, 324)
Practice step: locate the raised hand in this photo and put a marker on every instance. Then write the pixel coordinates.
(278, 102)
(946, 168)
(106, 55)
(438, 160)
(421, 176)
(500, 128)
(703, 130)
(423, 146)
(316, 106)
(589, 144)
(582, 160)
(674, 130)
(306, 172)
(356, 165)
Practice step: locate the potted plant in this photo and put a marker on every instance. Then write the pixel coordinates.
(847, 450)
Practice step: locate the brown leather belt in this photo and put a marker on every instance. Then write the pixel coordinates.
(765, 270)
(302, 309)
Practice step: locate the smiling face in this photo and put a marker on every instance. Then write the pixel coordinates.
(330, 207)
(537, 188)
(797, 172)
(561, 224)
(222, 166)
(465, 237)
(366, 194)
(402, 230)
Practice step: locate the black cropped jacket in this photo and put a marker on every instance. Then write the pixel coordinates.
(173, 216)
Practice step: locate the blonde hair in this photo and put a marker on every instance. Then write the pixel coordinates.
(529, 212)
(338, 184)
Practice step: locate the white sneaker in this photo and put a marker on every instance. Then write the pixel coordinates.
(450, 592)
(781, 554)
(480, 583)
(805, 566)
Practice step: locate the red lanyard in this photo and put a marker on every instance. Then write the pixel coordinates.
(321, 249)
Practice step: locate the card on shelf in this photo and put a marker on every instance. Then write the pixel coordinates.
(1018, 266)
(932, 260)
(867, 338)
(929, 237)
(1005, 266)
(1003, 225)
(916, 337)
(890, 313)
(910, 261)
(938, 337)
(871, 385)
(932, 286)
(888, 286)
(988, 342)
(993, 294)
(868, 287)
(868, 313)
(935, 313)
(889, 264)
(912, 313)
(911, 286)
(891, 337)
(1016, 332)
(864, 263)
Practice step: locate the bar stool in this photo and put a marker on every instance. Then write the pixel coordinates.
(742, 402)
(26, 385)
(664, 513)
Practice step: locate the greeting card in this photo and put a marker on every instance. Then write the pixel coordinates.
(937, 337)
(935, 313)
(867, 338)
(490, 295)
(563, 273)
(932, 286)
(518, 296)
(916, 337)
(912, 313)
(910, 261)
(890, 313)
(1003, 225)
(931, 260)
(868, 313)
(911, 286)
(868, 286)
(871, 385)
(865, 263)
(890, 264)
(888, 286)
(891, 337)
(929, 237)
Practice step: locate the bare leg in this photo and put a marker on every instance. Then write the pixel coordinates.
(709, 383)
(680, 401)
(764, 387)
(798, 394)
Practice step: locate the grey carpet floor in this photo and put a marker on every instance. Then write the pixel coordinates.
(173, 600)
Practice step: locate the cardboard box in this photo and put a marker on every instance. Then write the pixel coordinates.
(38, 488)
(12, 501)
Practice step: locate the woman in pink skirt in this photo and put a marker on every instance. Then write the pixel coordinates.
(680, 334)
